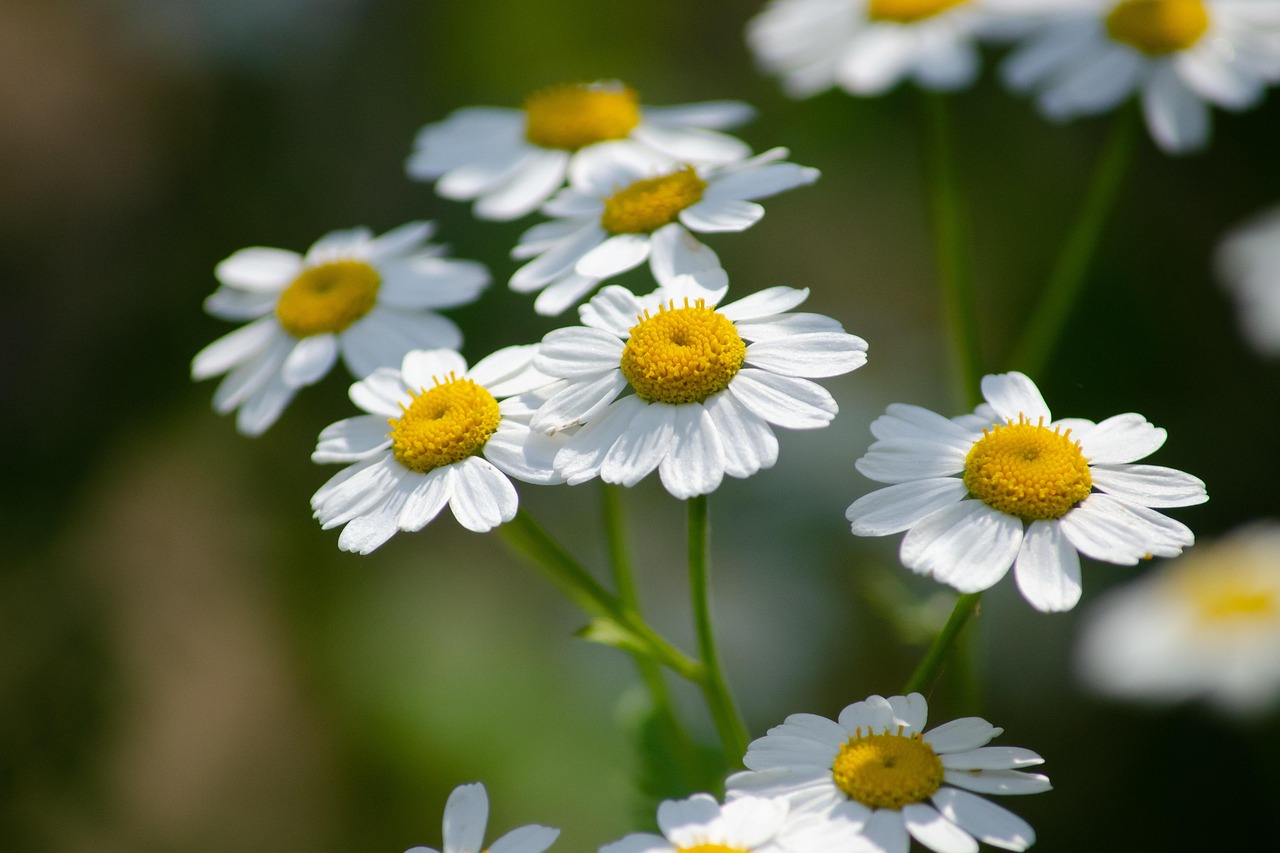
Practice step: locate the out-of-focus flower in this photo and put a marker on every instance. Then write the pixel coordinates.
(1249, 266)
(876, 776)
(669, 381)
(367, 298)
(624, 207)
(1009, 485)
(1178, 55)
(510, 161)
(1206, 625)
(465, 815)
(450, 442)
(699, 823)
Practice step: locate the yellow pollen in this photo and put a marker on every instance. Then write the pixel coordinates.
(328, 298)
(570, 116)
(908, 11)
(443, 425)
(1028, 470)
(887, 771)
(647, 205)
(1158, 27)
(682, 355)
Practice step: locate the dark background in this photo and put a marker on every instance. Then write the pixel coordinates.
(187, 663)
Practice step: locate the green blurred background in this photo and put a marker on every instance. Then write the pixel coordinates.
(187, 663)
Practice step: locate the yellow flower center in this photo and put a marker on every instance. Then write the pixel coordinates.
(887, 771)
(1158, 27)
(328, 298)
(1225, 585)
(1028, 470)
(908, 11)
(443, 425)
(682, 355)
(647, 205)
(573, 115)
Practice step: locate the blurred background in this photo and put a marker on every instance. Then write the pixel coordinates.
(188, 663)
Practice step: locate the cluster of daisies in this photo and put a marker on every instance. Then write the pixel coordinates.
(870, 780)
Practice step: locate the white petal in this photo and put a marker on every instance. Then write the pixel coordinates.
(698, 811)
(896, 508)
(813, 355)
(234, 348)
(430, 494)
(887, 832)
(1014, 394)
(961, 735)
(420, 283)
(1005, 782)
(748, 442)
(228, 303)
(762, 182)
(365, 533)
(695, 464)
(580, 403)
(614, 309)
(675, 252)
(581, 457)
(753, 821)
(765, 303)
(910, 712)
(353, 490)
(381, 393)
(557, 260)
(991, 758)
(426, 368)
(309, 360)
(465, 814)
(351, 439)
(904, 421)
(523, 453)
(539, 177)
(785, 326)
(710, 216)
(692, 145)
(1177, 119)
(483, 497)
(936, 832)
(711, 114)
(1110, 530)
(252, 373)
(1224, 83)
(1122, 438)
(1149, 485)
(344, 243)
(383, 336)
(876, 59)
(615, 255)
(259, 269)
(985, 820)
(264, 406)
(525, 839)
(968, 545)
(947, 63)
(901, 460)
(1048, 568)
(562, 293)
(639, 450)
(784, 401)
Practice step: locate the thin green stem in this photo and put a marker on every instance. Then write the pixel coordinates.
(733, 732)
(951, 245)
(1066, 280)
(928, 669)
(523, 535)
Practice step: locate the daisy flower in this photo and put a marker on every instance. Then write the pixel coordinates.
(669, 381)
(1205, 625)
(510, 161)
(699, 823)
(367, 298)
(877, 771)
(465, 815)
(1178, 55)
(1249, 265)
(1009, 485)
(450, 442)
(624, 207)
(868, 46)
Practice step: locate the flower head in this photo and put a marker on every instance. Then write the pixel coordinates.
(510, 161)
(673, 382)
(367, 298)
(465, 815)
(1204, 625)
(1249, 266)
(436, 434)
(1177, 55)
(876, 773)
(624, 207)
(1009, 485)
(699, 824)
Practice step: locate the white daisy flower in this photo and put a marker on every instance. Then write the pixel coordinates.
(1178, 55)
(1249, 265)
(867, 47)
(511, 161)
(465, 815)
(624, 207)
(879, 774)
(450, 442)
(367, 298)
(1009, 485)
(669, 381)
(699, 823)
(1205, 625)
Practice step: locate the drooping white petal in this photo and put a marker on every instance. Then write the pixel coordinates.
(676, 252)
(967, 545)
(695, 464)
(989, 823)
(580, 403)
(785, 401)
(540, 175)
(419, 283)
(483, 497)
(523, 453)
(898, 507)
(264, 406)
(748, 442)
(936, 832)
(1110, 530)
(638, 451)
(431, 491)
(583, 454)
(383, 336)
(1047, 569)
(1177, 119)
(557, 260)
(309, 360)
(887, 832)
(615, 255)
(235, 348)
(366, 532)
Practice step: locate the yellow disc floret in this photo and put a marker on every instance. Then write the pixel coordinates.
(443, 425)
(887, 771)
(1028, 470)
(682, 355)
(1158, 27)
(328, 298)
(907, 11)
(573, 115)
(647, 205)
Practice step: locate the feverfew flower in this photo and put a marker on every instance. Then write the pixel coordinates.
(877, 774)
(1249, 265)
(511, 161)
(624, 207)
(450, 442)
(1205, 625)
(747, 825)
(670, 381)
(465, 814)
(868, 46)
(1178, 55)
(367, 298)
(1009, 485)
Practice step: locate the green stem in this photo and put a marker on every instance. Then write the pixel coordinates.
(733, 732)
(1066, 280)
(951, 245)
(523, 535)
(965, 607)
